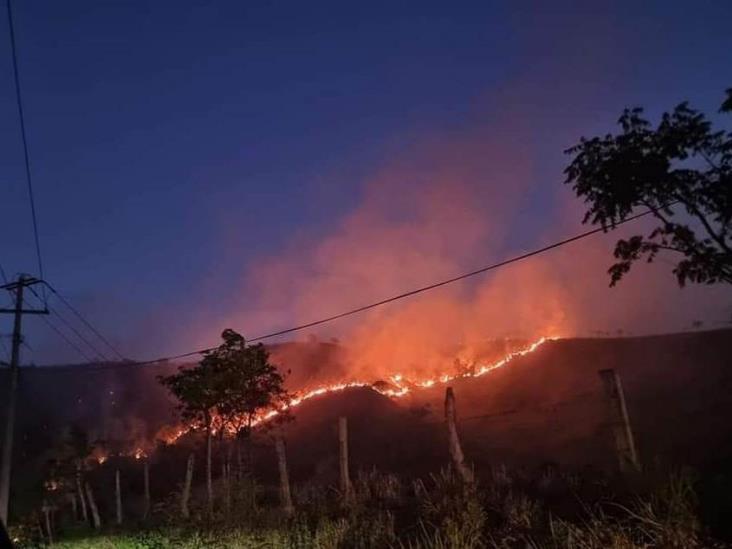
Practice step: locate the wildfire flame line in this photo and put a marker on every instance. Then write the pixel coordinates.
(403, 386)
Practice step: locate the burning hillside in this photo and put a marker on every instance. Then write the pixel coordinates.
(397, 385)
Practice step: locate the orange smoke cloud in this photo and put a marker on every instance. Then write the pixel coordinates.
(443, 208)
(449, 211)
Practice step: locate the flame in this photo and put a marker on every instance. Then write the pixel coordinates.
(169, 434)
(403, 386)
(99, 455)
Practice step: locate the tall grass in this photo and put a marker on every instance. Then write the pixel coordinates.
(508, 511)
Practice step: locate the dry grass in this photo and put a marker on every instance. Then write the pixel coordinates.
(440, 513)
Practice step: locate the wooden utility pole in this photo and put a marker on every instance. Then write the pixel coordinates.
(7, 455)
(284, 477)
(343, 447)
(620, 421)
(456, 451)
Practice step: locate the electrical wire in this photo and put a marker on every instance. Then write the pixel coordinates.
(84, 320)
(29, 182)
(67, 340)
(404, 295)
(6, 282)
(63, 336)
(417, 291)
(410, 293)
(72, 328)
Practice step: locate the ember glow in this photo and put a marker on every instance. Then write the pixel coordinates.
(99, 455)
(400, 387)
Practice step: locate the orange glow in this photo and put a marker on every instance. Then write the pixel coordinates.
(99, 455)
(402, 384)
(169, 434)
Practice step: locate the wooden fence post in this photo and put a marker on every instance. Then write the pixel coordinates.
(284, 477)
(209, 480)
(456, 451)
(118, 496)
(146, 480)
(620, 421)
(226, 479)
(186, 495)
(46, 509)
(79, 489)
(346, 488)
(71, 497)
(93, 506)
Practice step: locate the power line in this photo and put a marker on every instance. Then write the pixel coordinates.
(79, 335)
(6, 281)
(423, 289)
(84, 321)
(18, 97)
(67, 340)
(72, 328)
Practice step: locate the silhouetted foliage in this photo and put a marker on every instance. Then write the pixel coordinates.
(251, 384)
(233, 383)
(228, 388)
(198, 391)
(682, 162)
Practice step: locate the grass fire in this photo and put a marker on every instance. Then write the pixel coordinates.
(362, 276)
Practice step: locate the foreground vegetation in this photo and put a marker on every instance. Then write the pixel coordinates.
(509, 509)
(228, 507)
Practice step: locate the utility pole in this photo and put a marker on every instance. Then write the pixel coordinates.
(7, 454)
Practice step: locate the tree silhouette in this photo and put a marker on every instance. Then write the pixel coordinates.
(251, 386)
(199, 394)
(682, 162)
(231, 385)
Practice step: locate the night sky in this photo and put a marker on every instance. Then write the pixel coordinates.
(175, 144)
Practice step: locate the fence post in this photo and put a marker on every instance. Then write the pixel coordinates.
(146, 479)
(46, 509)
(79, 489)
(93, 507)
(284, 477)
(620, 421)
(118, 496)
(343, 447)
(456, 451)
(187, 487)
(71, 498)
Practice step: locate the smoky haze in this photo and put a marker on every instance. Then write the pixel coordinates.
(443, 208)
(444, 201)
